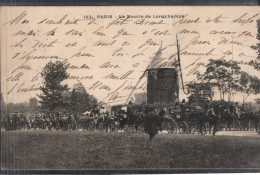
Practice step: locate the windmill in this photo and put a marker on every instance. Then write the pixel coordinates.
(163, 79)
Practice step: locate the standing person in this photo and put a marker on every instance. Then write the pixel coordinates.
(130, 112)
(104, 116)
(231, 109)
(212, 117)
(71, 122)
(184, 116)
(236, 110)
(102, 112)
(151, 122)
(14, 121)
(8, 122)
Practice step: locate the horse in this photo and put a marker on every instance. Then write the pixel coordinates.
(245, 120)
(230, 120)
(71, 123)
(139, 122)
(82, 122)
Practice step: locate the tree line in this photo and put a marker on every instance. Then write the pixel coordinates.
(227, 78)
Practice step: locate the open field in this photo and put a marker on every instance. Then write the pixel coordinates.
(95, 150)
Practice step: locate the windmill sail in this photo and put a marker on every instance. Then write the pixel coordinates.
(156, 59)
(160, 61)
(179, 64)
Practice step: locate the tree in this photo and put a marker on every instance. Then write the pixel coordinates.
(3, 108)
(33, 102)
(249, 85)
(80, 100)
(246, 86)
(224, 75)
(52, 95)
(201, 91)
(17, 107)
(255, 63)
(257, 101)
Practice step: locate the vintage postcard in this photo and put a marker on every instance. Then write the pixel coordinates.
(130, 88)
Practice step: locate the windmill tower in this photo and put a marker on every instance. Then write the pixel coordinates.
(162, 84)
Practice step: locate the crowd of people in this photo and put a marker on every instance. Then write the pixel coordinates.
(148, 118)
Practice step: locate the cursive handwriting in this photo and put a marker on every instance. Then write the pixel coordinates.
(80, 53)
(109, 55)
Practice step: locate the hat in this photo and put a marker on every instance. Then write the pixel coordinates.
(124, 108)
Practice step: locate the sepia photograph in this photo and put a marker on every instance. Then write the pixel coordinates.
(130, 88)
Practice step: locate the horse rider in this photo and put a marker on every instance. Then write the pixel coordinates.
(177, 106)
(123, 112)
(209, 112)
(95, 112)
(175, 110)
(123, 116)
(162, 112)
(99, 113)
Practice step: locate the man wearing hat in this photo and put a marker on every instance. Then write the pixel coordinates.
(102, 110)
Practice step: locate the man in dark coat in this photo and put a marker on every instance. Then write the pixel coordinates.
(130, 112)
(184, 116)
(151, 122)
(8, 122)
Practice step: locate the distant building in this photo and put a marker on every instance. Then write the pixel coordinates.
(140, 98)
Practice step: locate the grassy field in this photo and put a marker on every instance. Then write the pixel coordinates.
(93, 150)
